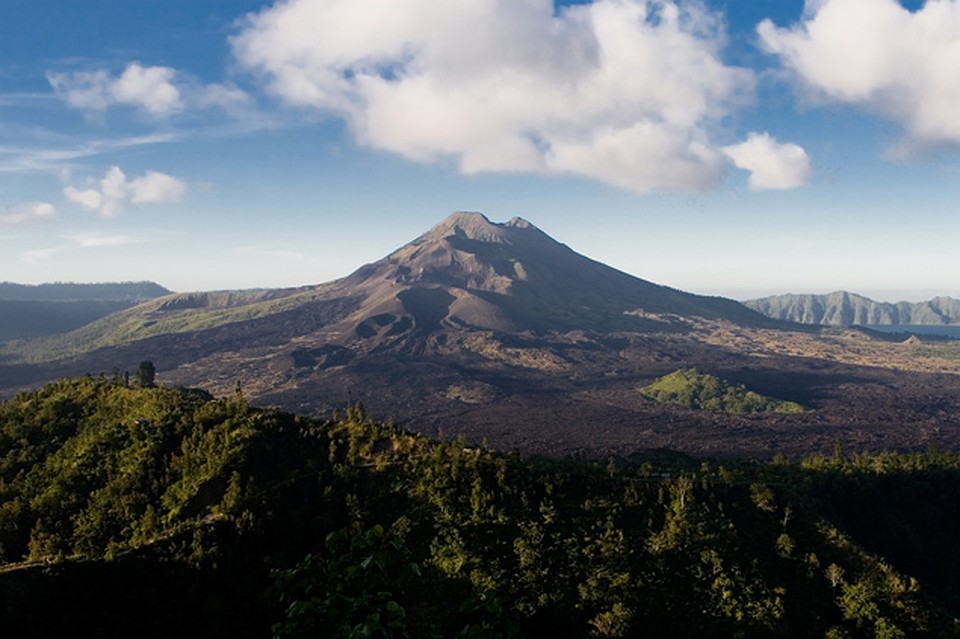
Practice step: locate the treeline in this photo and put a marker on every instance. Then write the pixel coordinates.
(159, 512)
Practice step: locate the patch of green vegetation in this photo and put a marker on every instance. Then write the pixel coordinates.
(701, 391)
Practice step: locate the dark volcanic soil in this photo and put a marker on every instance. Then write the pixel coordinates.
(576, 393)
(562, 398)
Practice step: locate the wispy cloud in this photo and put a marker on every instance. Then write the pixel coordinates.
(27, 213)
(51, 154)
(878, 55)
(627, 92)
(156, 90)
(108, 195)
(99, 240)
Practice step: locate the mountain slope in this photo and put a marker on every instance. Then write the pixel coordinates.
(465, 273)
(468, 271)
(848, 309)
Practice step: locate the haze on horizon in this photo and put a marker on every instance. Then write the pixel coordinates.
(719, 147)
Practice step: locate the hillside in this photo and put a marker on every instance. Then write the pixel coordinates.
(159, 512)
(848, 309)
(30, 311)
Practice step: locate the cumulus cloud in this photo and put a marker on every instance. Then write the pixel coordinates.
(155, 187)
(149, 88)
(108, 195)
(87, 198)
(879, 55)
(159, 91)
(622, 91)
(27, 213)
(772, 165)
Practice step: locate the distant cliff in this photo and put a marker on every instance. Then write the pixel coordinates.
(73, 292)
(28, 310)
(845, 309)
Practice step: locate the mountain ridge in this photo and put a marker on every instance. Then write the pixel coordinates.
(842, 308)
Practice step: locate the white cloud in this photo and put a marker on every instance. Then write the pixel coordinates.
(877, 54)
(87, 198)
(87, 90)
(228, 97)
(154, 187)
(622, 91)
(113, 191)
(772, 165)
(159, 91)
(20, 159)
(27, 213)
(149, 88)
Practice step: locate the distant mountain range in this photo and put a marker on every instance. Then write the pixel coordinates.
(28, 311)
(849, 309)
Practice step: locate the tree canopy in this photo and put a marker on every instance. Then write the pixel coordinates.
(239, 521)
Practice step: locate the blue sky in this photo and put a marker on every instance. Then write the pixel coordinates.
(722, 147)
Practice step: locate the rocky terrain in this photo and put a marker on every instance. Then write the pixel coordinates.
(497, 332)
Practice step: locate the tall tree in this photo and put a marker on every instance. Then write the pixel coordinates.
(146, 375)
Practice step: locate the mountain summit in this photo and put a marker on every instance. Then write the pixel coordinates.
(470, 272)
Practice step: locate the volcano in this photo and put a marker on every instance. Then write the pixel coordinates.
(470, 273)
(496, 331)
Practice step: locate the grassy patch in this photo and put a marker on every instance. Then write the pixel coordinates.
(701, 391)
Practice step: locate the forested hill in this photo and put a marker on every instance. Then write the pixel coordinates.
(157, 512)
(28, 311)
(847, 309)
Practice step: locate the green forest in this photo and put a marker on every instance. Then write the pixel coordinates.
(139, 511)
